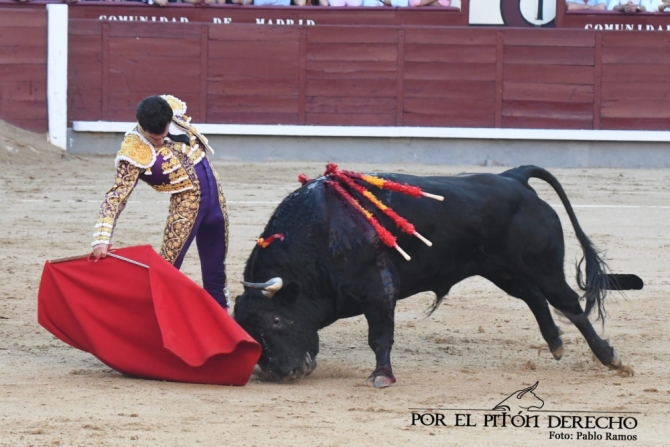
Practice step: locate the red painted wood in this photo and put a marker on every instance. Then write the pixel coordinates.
(302, 80)
(500, 45)
(350, 104)
(251, 33)
(450, 36)
(152, 86)
(154, 30)
(525, 122)
(643, 40)
(351, 52)
(636, 90)
(351, 69)
(597, 81)
(635, 123)
(24, 91)
(450, 71)
(23, 19)
(548, 110)
(351, 87)
(33, 125)
(635, 108)
(636, 55)
(252, 103)
(352, 119)
(451, 106)
(351, 35)
(167, 68)
(532, 55)
(252, 68)
(447, 53)
(400, 80)
(22, 72)
(24, 54)
(254, 50)
(548, 74)
(222, 115)
(140, 47)
(625, 73)
(204, 57)
(549, 38)
(257, 86)
(84, 27)
(548, 92)
(475, 90)
(451, 120)
(23, 110)
(15, 35)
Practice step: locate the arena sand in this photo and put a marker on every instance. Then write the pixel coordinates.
(480, 345)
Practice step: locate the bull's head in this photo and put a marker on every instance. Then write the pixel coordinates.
(281, 324)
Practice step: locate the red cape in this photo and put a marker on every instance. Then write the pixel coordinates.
(154, 323)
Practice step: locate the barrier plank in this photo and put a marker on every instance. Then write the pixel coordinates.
(641, 40)
(449, 106)
(34, 125)
(156, 30)
(474, 90)
(447, 53)
(254, 50)
(231, 33)
(221, 115)
(531, 55)
(525, 122)
(552, 110)
(24, 54)
(351, 70)
(636, 55)
(23, 110)
(635, 123)
(625, 73)
(550, 38)
(351, 52)
(635, 108)
(24, 90)
(352, 35)
(349, 119)
(548, 74)
(548, 92)
(183, 67)
(27, 18)
(84, 27)
(245, 86)
(138, 47)
(450, 71)
(351, 87)
(636, 90)
(253, 68)
(435, 120)
(452, 37)
(22, 72)
(348, 104)
(252, 104)
(15, 35)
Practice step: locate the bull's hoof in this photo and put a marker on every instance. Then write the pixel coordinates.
(380, 380)
(616, 360)
(558, 352)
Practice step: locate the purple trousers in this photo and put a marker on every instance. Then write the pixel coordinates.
(209, 232)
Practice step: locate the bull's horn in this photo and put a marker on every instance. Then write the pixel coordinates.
(269, 288)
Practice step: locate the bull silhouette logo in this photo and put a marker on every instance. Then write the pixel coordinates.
(521, 400)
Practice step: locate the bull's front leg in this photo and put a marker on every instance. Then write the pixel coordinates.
(380, 315)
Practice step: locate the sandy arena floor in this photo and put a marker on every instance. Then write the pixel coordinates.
(480, 346)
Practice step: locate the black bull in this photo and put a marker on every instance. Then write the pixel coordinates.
(331, 265)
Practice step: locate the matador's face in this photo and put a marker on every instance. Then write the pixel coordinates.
(156, 139)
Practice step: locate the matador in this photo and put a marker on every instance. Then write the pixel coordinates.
(167, 152)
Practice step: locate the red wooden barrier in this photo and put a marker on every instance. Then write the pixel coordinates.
(373, 76)
(23, 56)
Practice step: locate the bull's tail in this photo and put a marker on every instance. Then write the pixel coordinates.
(595, 281)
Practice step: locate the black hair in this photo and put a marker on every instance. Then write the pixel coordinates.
(154, 114)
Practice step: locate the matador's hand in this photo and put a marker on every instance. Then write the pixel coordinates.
(100, 251)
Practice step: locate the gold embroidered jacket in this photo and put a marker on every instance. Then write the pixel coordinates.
(168, 169)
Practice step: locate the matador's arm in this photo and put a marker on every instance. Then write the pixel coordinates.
(127, 176)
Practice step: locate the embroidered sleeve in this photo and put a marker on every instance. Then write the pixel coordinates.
(127, 176)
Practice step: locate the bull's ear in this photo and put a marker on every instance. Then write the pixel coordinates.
(269, 288)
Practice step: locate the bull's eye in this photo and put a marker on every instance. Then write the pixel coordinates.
(276, 321)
